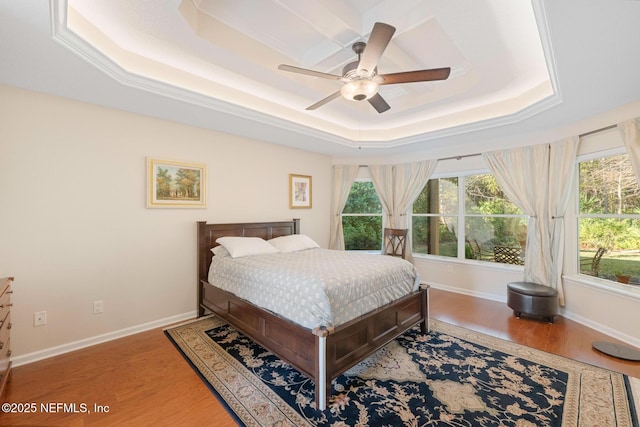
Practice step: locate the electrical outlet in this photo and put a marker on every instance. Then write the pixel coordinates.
(449, 268)
(98, 307)
(39, 318)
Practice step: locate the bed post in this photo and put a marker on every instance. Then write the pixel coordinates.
(424, 303)
(202, 265)
(322, 379)
(296, 225)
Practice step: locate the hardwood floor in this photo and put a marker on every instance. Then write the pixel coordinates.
(143, 380)
(564, 337)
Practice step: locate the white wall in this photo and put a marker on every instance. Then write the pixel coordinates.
(605, 306)
(74, 227)
(479, 279)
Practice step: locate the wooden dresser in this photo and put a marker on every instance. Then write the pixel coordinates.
(5, 329)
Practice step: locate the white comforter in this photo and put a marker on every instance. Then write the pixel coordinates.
(316, 287)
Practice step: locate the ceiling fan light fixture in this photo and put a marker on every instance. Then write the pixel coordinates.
(359, 90)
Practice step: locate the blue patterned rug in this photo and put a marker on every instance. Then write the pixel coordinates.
(449, 377)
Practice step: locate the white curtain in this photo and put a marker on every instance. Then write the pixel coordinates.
(343, 177)
(562, 173)
(382, 178)
(523, 174)
(408, 181)
(630, 132)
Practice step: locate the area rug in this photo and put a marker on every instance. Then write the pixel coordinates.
(449, 377)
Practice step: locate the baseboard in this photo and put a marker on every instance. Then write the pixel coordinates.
(88, 342)
(613, 333)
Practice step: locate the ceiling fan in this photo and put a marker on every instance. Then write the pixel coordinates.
(361, 77)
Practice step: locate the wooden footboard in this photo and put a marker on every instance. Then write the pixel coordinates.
(321, 354)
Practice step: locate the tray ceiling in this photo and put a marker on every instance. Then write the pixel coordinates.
(224, 54)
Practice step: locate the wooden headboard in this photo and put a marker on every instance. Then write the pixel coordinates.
(208, 233)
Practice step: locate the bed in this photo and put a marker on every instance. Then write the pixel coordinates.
(323, 352)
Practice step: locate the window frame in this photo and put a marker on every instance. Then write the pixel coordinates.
(461, 219)
(586, 157)
(438, 215)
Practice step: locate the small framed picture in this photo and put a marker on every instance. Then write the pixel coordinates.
(173, 184)
(299, 191)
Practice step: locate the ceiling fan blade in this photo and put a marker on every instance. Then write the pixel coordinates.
(324, 101)
(313, 73)
(413, 76)
(378, 41)
(378, 103)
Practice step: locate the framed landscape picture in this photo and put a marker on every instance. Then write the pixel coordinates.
(173, 184)
(299, 191)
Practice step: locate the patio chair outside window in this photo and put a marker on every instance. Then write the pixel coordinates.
(508, 255)
(592, 266)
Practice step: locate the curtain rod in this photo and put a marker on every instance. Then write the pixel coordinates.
(460, 157)
(591, 132)
(444, 158)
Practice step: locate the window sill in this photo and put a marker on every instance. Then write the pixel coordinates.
(469, 262)
(616, 288)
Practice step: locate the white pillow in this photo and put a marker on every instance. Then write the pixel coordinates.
(293, 242)
(246, 246)
(220, 251)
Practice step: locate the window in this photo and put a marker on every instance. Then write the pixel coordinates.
(362, 218)
(435, 218)
(495, 229)
(609, 219)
